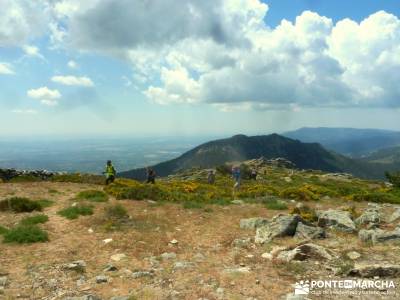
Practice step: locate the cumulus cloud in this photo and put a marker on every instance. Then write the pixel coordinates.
(6, 69)
(45, 95)
(222, 52)
(21, 20)
(72, 64)
(32, 51)
(73, 80)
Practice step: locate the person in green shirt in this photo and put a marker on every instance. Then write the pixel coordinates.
(110, 172)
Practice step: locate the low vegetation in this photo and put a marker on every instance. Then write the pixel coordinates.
(394, 178)
(276, 204)
(3, 230)
(20, 204)
(74, 212)
(92, 196)
(38, 219)
(25, 234)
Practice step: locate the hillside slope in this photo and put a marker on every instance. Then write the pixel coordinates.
(348, 141)
(241, 147)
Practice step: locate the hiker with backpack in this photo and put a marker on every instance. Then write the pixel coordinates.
(211, 177)
(151, 176)
(236, 176)
(110, 172)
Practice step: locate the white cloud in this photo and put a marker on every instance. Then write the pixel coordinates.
(222, 51)
(32, 51)
(6, 69)
(21, 20)
(24, 111)
(73, 80)
(72, 64)
(45, 95)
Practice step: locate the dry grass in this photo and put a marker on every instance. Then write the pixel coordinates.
(147, 233)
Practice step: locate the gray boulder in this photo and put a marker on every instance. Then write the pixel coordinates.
(369, 216)
(280, 226)
(304, 231)
(304, 252)
(337, 219)
(252, 223)
(241, 243)
(368, 270)
(395, 216)
(379, 236)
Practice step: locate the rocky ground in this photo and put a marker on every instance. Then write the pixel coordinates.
(164, 251)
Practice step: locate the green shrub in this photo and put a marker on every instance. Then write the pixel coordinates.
(25, 234)
(276, 204)
(45, 203)
(20, 204)
(25, 178)
(74, 212)
(376, 196)
(3, 230)
(116, 212)
(394, 178)
(93, 196)
(193, 205)
(38, 219)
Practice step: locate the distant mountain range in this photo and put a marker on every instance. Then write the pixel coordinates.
(385, 156)
(352, 142)
(241, 147)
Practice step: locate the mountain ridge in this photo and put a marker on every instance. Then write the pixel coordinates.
(241, 147)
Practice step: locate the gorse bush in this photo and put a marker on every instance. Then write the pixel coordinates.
(93, 196)
(20, 204)
(74, 212)
(38, 219)
(25, 234)
(306, 213)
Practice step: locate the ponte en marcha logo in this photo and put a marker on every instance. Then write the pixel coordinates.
(345, 286)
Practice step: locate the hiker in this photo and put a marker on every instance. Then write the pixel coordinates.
(151, 176)
(211, 177)
(110, 172)
(253, 174)
(236, 176)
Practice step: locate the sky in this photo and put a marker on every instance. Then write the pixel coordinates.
(209, 67)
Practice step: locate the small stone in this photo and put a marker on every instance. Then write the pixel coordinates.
(141, 274)
(101, 279)
(106, 241)
(199, 257)
(241, 243)
(118, 257)
(237, 270)
(173, 242)
(78, 266)
(168, 255)
(90, 230)
(353, 255)
(238, 202)
(110, 268)
(182, 265)
(3, 281)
